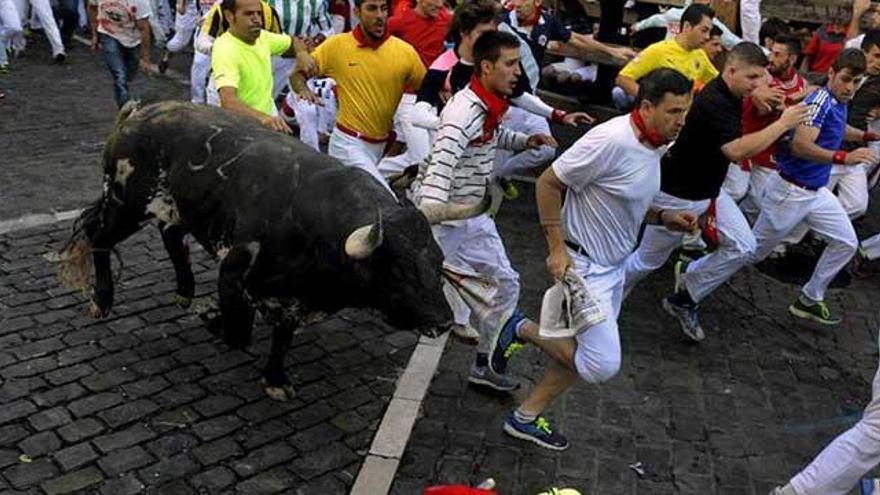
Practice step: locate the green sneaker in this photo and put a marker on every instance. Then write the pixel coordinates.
(509, 188)
(818, 312)
(5, 68)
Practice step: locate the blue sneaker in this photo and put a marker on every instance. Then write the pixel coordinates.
(539, 432)
(869, 486)
(505, 343)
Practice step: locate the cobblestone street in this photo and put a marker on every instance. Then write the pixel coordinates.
(148, 401)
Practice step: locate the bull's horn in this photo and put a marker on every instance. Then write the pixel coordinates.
(361, 243)
(436, 213)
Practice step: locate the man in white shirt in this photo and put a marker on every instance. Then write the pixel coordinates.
(609, 176)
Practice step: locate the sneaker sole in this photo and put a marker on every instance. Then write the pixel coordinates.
(490, 384)
(522, 436)
(671, 312)
(810, 316)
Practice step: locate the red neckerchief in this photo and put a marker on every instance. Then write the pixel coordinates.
(650, 136)
(496, 107)
(533, 20)
(364, 41)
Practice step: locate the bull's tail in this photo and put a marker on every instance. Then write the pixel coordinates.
(76, 254)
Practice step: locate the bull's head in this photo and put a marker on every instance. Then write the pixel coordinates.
(402, 264)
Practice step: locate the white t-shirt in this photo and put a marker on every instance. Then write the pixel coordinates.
(118, 18)
(855, 42)
(611, 179)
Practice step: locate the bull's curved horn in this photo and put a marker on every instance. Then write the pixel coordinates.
(361, 243)
(436, 213)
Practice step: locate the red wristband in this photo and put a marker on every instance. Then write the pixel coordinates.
(839, 157)
(557, 116)
(869, 136)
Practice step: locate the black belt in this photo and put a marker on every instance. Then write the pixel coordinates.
(576, 248)
(791, 180)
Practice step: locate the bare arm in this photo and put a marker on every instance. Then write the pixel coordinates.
(854, 135)
(803, 145)
(143, 26)
(93, 24)
(297, 48)
(230, 101)
(586, 43)
(628, 84)
(752, 144)
(548, 191)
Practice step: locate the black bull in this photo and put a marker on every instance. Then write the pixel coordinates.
(293, 228)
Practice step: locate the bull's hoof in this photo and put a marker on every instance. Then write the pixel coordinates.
(281, 393)
(183, 302)
(96, 312)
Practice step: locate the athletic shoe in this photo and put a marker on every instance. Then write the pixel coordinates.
(509, 188)
(466, 334)
(505, 343)
(540, 432)
(482, 375)
(688, 318)
(818, 312)
(680, 269)
(60, 57)
(5, 68)
(163, 62)
(869, 486)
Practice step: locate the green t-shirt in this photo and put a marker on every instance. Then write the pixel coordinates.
(248, 68)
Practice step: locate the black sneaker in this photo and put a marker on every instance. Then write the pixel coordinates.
(540, 432)
(818, 312)
(505, 343)
(60, 58)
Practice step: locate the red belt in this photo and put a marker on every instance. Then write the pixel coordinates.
(363, 137)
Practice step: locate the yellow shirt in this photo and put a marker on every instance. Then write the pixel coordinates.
(248, 68)
(215, 24)
(369, 82)
(694, 64)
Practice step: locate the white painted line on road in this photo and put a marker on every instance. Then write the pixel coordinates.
(37, 219)
(377, 473)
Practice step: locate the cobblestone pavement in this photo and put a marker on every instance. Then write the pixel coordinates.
(148, 400)
(736, 414)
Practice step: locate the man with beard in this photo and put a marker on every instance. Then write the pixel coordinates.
(693, 173)
(458, 171)
(371, 69)
(607, 178)
(746, 178)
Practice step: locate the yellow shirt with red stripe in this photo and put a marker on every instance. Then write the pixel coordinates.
(215, 24)
(668, 54)
(369, 81)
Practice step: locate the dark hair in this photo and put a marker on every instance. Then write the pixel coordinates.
(791, 42)
(228, 5)
(872, 39)
(772, 28)
(694, 14)
(657, 83)
(715, 31)
(852, 59)
(747, 53)
(469, 15)
(357, 3)
(488, 47)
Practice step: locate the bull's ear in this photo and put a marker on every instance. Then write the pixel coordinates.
(361, 243)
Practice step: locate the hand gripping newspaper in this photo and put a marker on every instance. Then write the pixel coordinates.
(568, 309)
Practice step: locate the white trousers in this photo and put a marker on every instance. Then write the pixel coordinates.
(42, 10)
(837, 469)
(736, 183)
(160, 21)
(735, 241)
(597, 357)
(199, 75)
(850, 184)
(282, 68)
(10, 27)
(184, 26)
(418, 140)
(784, 206)
(750, 20)
(507, 163)
(354, 152)
(871, 247)
(475, 244)
(313, 119)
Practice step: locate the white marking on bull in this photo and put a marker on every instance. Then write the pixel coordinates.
(163, 207)
(124, 168)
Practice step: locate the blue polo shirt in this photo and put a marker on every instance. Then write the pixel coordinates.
(546, 30)
(829, 116)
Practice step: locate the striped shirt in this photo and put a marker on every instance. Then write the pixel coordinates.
(304, 18)
(461, 161)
